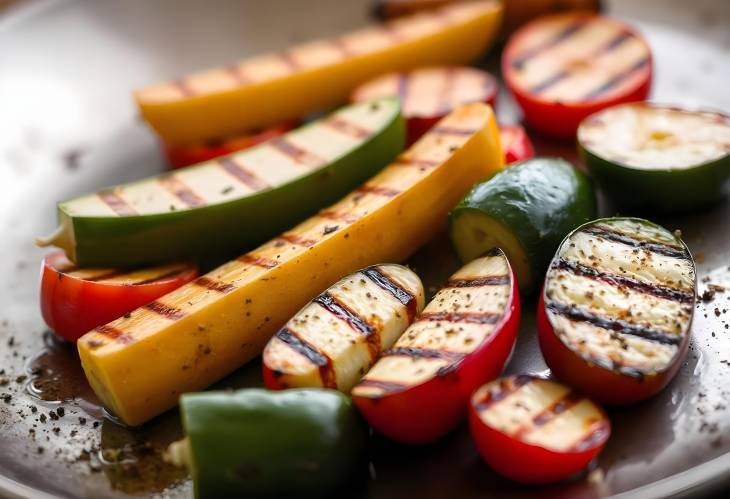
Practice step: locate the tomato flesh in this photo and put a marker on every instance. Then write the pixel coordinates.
(516, 145)
(75, 301)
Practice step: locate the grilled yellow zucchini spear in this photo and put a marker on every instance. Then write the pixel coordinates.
(139, 365)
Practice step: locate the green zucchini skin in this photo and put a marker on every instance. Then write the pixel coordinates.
(659, 191)
(225, 229)
(259, 443)
(539, 201)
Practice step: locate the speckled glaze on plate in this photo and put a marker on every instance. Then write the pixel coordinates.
(68, 125)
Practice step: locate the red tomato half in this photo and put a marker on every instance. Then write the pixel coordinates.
(429, 94)
(75, 301)
(562, 68)
(420, 388)
(516, 145)
(186, 155)
(535, 430)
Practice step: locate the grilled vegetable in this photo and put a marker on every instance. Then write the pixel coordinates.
(190, 154)
(194, 336)
(74, 300)
(335, 339)
(429, 94)
(536, 430)
(526, 210)
(420, 388)
(515, 143)
(615, 314)
(256, 443)
(656, 157)
(562, 68)
(275, 88)
(235, 202)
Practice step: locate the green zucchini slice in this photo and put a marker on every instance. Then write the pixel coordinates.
(657, 158)
(232, 203)
(526, 210)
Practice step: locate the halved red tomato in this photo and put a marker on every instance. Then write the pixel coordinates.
(516, 145)
(536, 430)
(419, 389)
(562, 68)
(75, 301)
(186, 155)
(429, 94)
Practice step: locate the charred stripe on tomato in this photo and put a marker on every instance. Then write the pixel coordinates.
(562, 35)
(500, 390)
(469, 317)
(617, 79)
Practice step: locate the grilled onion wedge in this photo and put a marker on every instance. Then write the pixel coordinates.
(419, 389)
(335, 338)
(615, 313)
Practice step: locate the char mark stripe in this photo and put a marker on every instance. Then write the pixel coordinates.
(445, 102)
(165, 311)
(302, 347)
(595, 433)
(618, 325)
(344, 313)
(346, 127)
(507, 386)
(666, 292)
(117, 204)
(181, 191)
(549, 82)
(386, 283)
(243, 175)
(183, 87)
(467, 317)
(419, 162)
(292, 238)
(450, 130)
(386, 386)
(491, 280)
(338, 216)
(378, 190)
(423, 353)
(296, 153)
(113, 333)
(258, 261)
(548, 414)
(619, 237)
(290, 61)
(616, 80)
(237, 74)
(559, 37)
(213, 285)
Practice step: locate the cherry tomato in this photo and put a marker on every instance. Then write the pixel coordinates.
(186, 155)
(75, 301)
(429, 94)
(419, 389)
(561, 68)
(516, 145)
(535, 430)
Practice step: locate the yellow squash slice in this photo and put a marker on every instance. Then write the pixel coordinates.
(274, 88)
(140, 364)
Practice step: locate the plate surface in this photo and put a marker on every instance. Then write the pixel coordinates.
(68, 125)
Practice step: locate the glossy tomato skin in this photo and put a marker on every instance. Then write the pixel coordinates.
(271, 380)
(601, 384)
(426, 412)
(71, 306)
(524, 462)
(186, 155)
(516, 144)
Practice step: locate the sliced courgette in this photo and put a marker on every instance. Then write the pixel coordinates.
(234, 202)
(526, 210)
(657, 158)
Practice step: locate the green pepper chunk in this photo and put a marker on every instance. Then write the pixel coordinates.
(259, 443)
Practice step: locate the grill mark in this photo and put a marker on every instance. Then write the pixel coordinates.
(378, 190)
(450, 130)
(491, 280)
(549, 82)
(386, 386)
(548, 414)
(419, 162)
(213, 285)
(620, 237)
(296, 153)
(259, 261)
(423, 353)
(290, 61)
(114, 334)
(235, 71)
(183, 87)
(311, 353)
(338, 216)
(399, 293)
(176, 187)
(467, 317)
(346, 127)
(297, 239)
(166, 311)
(116, 203)
(666, 292)
(559, 37)
(507, 386)
(614, 81)
(357, 323)
(166, 275)
(444, 105)
(243, 174)
(618, 325)
(596, 433)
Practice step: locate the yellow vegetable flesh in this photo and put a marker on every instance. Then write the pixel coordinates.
(139, 365)
(272, 89)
